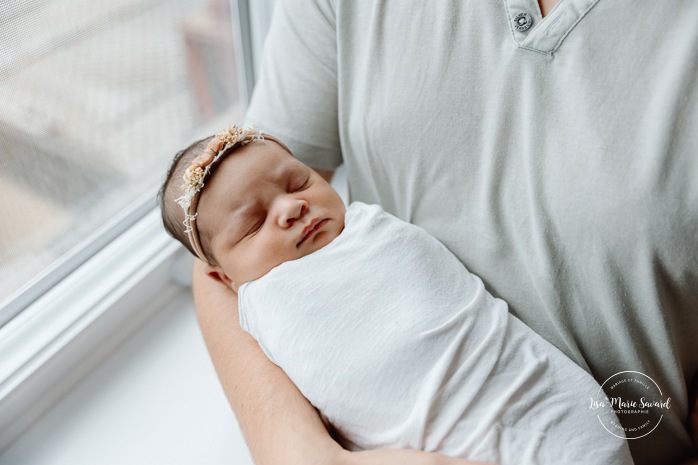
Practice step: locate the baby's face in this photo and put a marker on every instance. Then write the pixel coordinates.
(263, 207)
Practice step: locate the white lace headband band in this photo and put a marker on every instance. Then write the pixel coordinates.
(223, 143)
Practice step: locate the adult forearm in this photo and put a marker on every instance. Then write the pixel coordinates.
(279, 424)
(402, 457)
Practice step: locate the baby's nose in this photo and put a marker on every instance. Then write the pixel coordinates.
(292, 211)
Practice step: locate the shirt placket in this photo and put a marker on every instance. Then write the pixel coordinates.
(531, 31)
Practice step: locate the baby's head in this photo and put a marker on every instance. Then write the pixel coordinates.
(242, 203)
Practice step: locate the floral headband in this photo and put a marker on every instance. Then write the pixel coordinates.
(194, 177)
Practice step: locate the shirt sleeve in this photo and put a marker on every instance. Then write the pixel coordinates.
(295, 98)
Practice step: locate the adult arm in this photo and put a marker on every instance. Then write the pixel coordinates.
(296, 96)
(279, 425)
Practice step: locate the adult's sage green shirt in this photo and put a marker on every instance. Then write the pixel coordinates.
(558, 162)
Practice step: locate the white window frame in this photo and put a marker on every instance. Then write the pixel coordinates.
(56, 272)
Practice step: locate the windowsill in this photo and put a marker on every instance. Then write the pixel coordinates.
(72, 328)
(155, 400)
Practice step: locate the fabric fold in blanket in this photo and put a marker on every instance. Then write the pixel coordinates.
(398, 345)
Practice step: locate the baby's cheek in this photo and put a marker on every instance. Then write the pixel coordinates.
(268, 258)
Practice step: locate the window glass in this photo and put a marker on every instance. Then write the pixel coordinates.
(96, 99)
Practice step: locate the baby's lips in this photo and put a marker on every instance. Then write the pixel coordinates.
(309, 228)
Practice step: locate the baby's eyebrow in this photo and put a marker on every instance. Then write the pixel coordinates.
(283, 174)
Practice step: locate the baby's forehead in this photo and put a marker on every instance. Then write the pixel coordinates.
(252, 170)
(260, 162)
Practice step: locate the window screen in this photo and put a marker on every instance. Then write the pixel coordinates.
(95, 99)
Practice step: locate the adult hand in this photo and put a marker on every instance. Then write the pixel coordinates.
(402, 457)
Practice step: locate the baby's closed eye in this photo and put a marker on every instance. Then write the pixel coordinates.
(256, 227)
(299, 183)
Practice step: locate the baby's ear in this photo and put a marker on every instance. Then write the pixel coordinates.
(219, 275)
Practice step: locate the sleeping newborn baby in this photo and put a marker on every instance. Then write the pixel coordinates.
(381, 328)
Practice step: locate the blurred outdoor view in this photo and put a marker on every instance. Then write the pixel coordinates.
(95, 98)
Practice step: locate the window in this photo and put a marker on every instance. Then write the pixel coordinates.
(96, 99)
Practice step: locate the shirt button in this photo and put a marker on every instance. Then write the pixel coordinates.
(523, 21)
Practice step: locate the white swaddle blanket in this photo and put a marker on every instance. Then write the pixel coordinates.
(398, 345)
